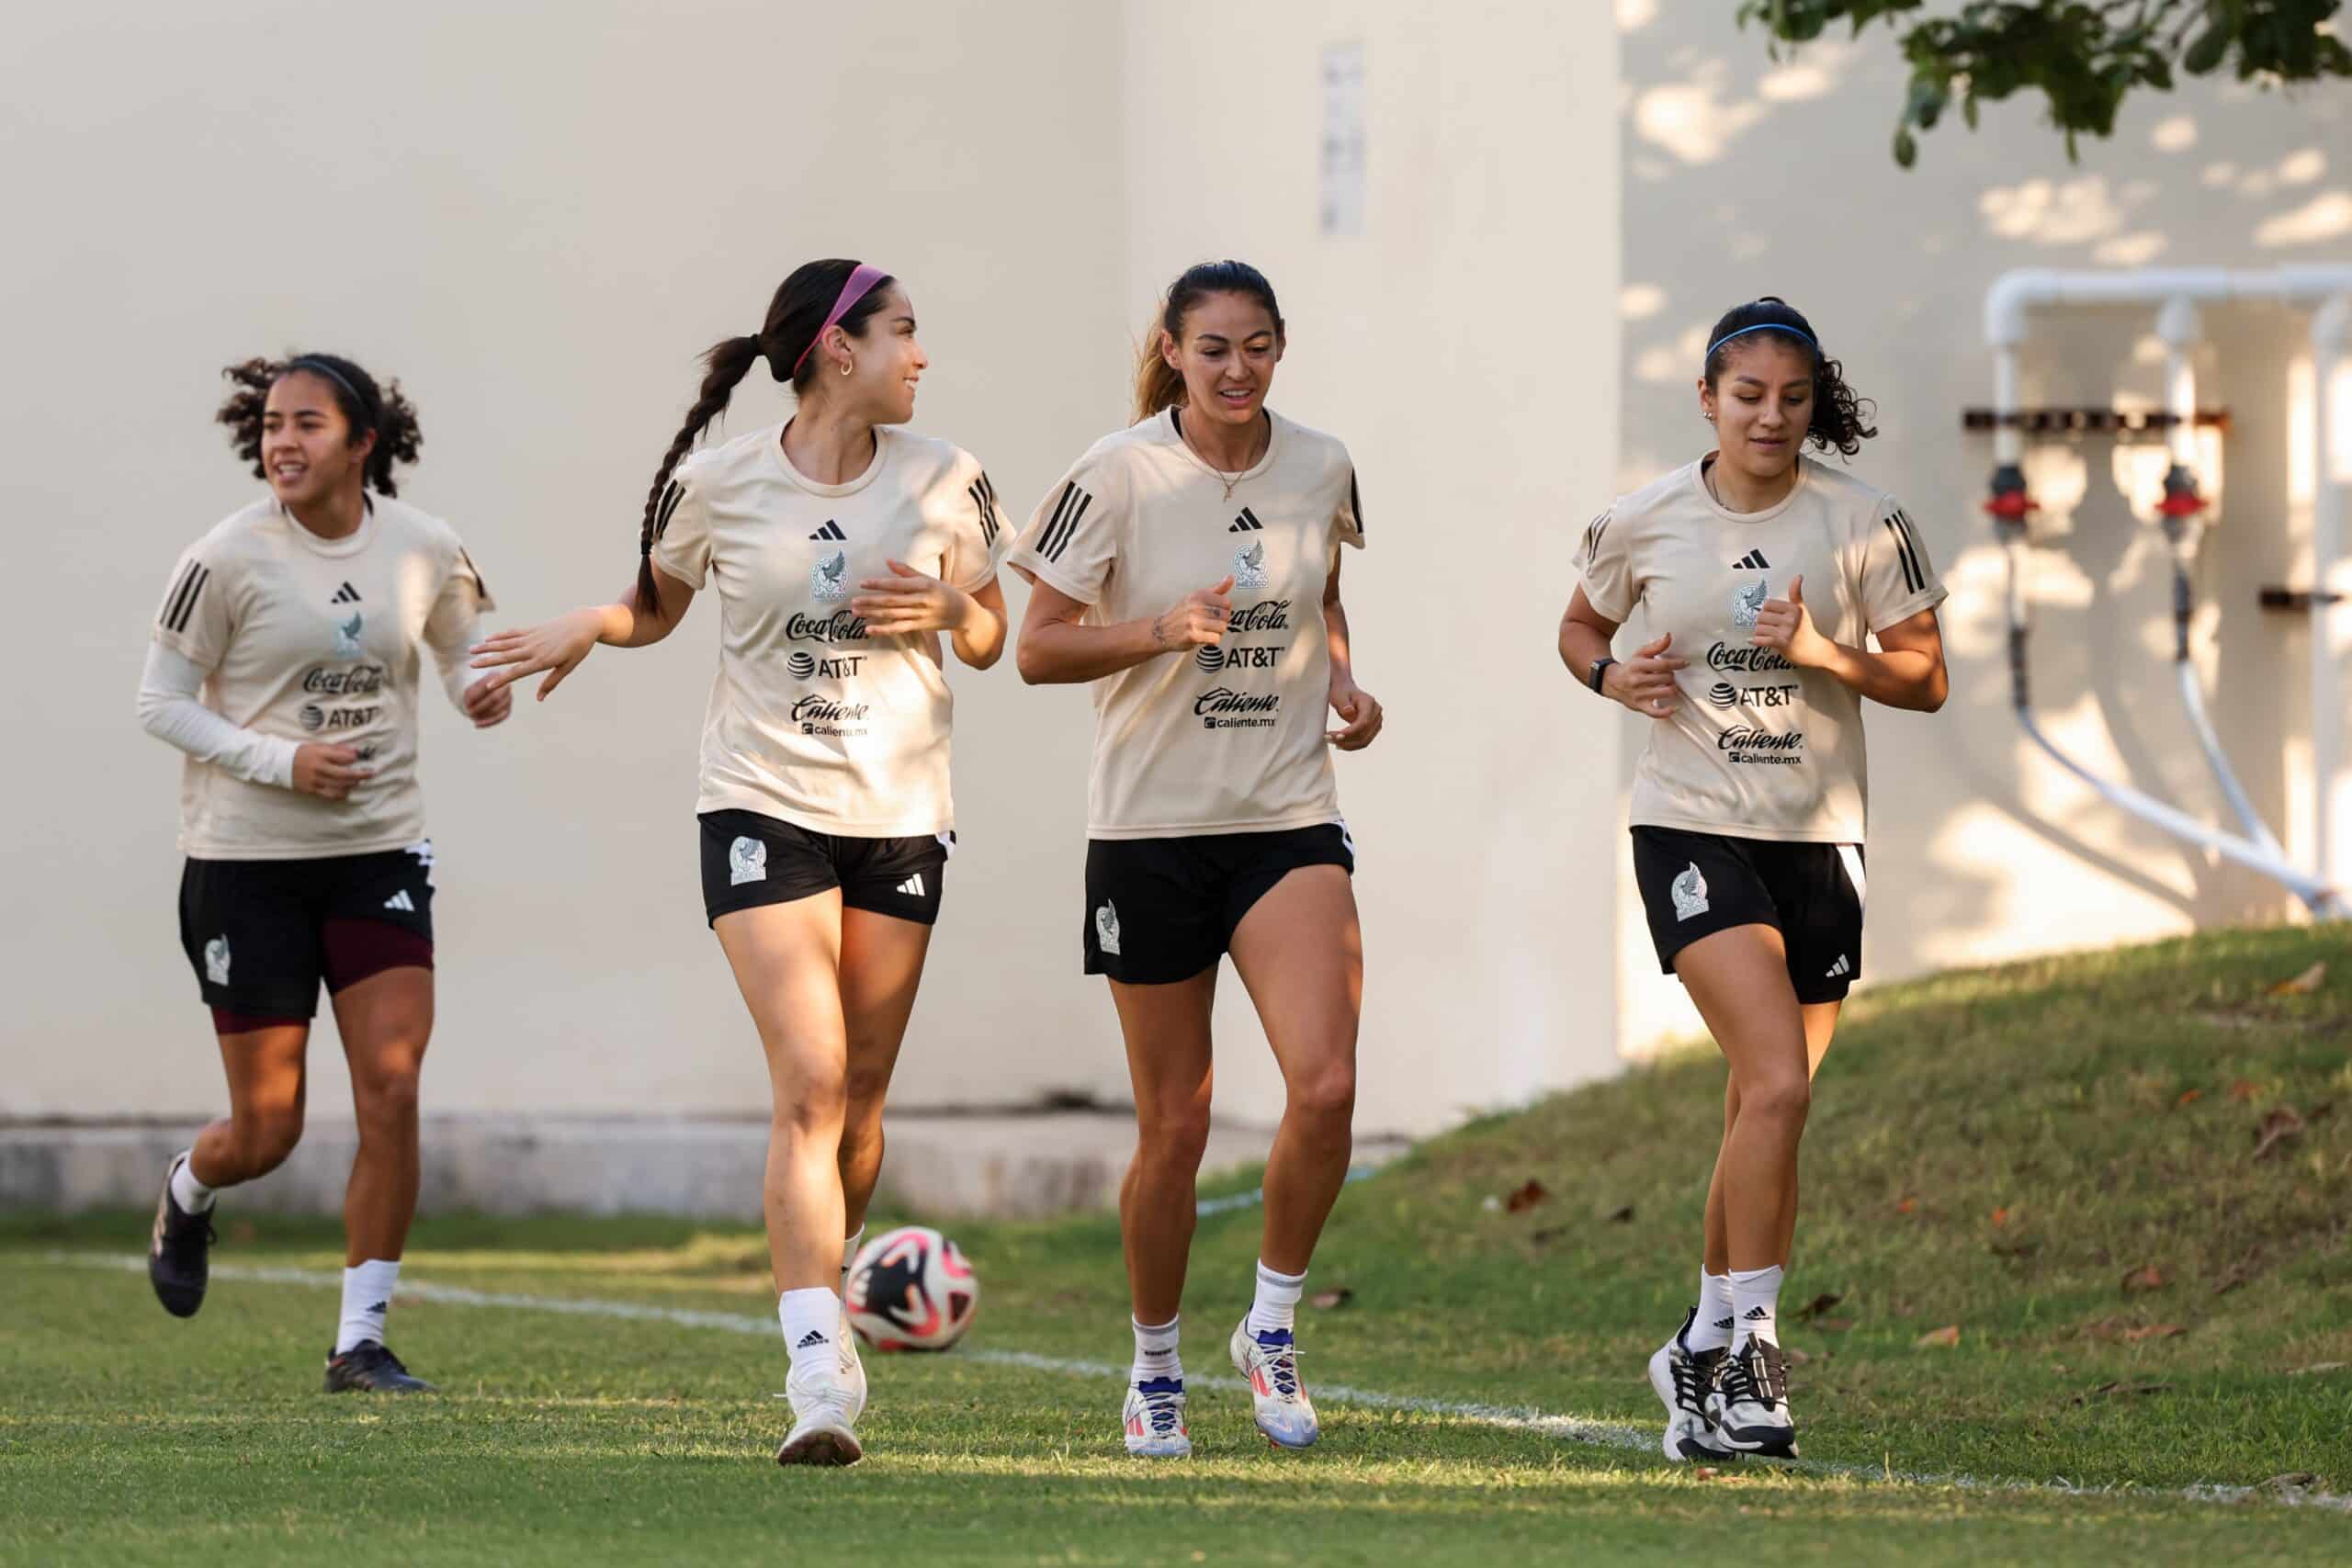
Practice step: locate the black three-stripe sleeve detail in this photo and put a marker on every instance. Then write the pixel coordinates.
(1913, 578)
(481, 589)
(1063, 526)
(1355, 502)
(1592, 532)
(984, 497)
(184, 597)
(670, 499)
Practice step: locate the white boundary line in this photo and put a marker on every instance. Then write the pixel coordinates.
(1600, 1434)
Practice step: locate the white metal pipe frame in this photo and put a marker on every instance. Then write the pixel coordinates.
(2177, 292)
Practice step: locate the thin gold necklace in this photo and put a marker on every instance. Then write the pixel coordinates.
(1229, 480)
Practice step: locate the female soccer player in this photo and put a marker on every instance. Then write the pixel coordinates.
(1189, 568)
(841, 548)
(284, 664)
(1764, 574)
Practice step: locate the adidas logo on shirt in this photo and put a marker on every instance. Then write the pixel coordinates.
(347, 595)
(830, 531)
(401, 900)
(1840, 967)
(1752, 561)
(1246, 523)
(912, 885)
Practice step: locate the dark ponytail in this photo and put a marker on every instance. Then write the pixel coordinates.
(366, 409)
(794, 316)
(1837, 414)
(1159, 384)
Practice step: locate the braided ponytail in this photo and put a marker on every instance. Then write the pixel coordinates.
(728, 362)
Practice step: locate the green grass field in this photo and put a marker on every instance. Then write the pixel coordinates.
(2061, 1160)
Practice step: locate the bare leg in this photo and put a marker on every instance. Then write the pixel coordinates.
(1820, 1023)
(385, 1020)
(882, 959)
(1300, 951)
(787, 959)
(1739, 980)
(1167, 1032)
(266, 1086)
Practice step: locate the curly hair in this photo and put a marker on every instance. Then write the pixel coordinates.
(367, 408)
(1837, 414)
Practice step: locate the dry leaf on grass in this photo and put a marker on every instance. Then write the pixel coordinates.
(1832, 1324)
(2001, 1215)
(2277, 1127)
(2244, 1088)
(2149, 1278)
(2152, 1331)
(1327, 1300)
(2303, 984)
(2319, 1366)
(1818, 1305)
(1906, 1205)
(1944, 1338)
(2189, 1096)
(1531, 1192)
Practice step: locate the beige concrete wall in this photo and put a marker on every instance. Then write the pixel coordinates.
(536, 215)
(1743, 177)
(1444, 345)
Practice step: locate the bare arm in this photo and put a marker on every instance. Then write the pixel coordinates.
(1907, 673)
(908, 602)
(1358, 709)
(557, 646)
(1644, 683)
(1055, 648)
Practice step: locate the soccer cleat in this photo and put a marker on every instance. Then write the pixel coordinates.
(852, 1370)
(1155, 1419)
(179, 1258)
(1269, 1362)
(1750, 1404)
(825, 1418)
(1683, 1379)
(371, 1368)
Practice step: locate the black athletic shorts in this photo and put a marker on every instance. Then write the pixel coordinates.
(262, 935)
(1163, 910)
(1695, 884)
(749, 860)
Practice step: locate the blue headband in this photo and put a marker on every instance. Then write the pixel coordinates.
(1764, 327)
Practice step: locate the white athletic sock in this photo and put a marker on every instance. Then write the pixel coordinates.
(193, 1196)
(1710, 1330)
(1156, 1352)
(849, 1254)
(1756, 1302)
(1276, 1306)
(366, 1297)
(811, 1318)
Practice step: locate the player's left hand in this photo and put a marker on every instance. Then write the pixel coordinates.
(1786, 626)
(908, 602)
(1361, 711)
(488, 701)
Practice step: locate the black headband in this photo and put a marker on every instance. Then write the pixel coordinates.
(317, 366)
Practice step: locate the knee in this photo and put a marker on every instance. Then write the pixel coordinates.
(865, 1089)
(1777, 1102)
(1326, 1093)
(264, 1137)
(385, 1096)
(818, 1104)
(1179, 1135)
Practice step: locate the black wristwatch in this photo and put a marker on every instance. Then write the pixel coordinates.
(1599, 668)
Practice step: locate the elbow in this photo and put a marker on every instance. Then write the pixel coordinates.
(1026, 659)
(1938, 687)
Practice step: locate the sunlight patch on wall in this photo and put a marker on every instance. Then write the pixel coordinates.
(2177, 134)
(1695, 120)
(2327, 217)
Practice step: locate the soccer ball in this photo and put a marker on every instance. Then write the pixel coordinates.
(911, 1288)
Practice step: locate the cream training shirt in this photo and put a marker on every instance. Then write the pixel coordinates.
(305, 638)
(811, 720)
(1756, 749)
(1228, 739)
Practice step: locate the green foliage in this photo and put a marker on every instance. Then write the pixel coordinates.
(2084, 56)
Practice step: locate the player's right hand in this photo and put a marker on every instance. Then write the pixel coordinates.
(1199, 622)
(556, 646)
(1645, 681)
(328, 770)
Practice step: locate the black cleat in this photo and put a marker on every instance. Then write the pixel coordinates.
(1750, 1404)
(180, 1258)
(370, 1368)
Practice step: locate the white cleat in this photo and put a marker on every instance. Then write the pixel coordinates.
(1683, 1378)
(824, 1419)
(852, 1370)
(1750, 1406)
(1269, 1362)
(1154, 1419)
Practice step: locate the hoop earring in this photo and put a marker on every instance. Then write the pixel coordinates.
(845, 367)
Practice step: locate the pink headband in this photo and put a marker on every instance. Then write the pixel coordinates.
(862, 280)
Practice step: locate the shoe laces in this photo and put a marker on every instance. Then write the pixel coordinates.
(1282, 1367)
(1694, 1372)
(1758, 1375)
(1163, 1405)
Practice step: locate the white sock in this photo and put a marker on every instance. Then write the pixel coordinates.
(1710, 1330)
(811, 1318)
(1756, 1302)
(1156, 1352)
(367, 1298)
(1276, 1306)
(193, 1196)
(849, 1256)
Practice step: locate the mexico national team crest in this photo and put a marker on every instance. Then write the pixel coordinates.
(829, 578)
(1250, 566)
(1746, 604)
(1106, 927)
(216, 960)
(747, 861)
(1690, 894)
(346, 637)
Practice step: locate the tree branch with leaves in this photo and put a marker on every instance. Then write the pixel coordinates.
(2084, 56)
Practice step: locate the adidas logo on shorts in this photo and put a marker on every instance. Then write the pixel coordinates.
(912, 885)
(1840, 968)
(401, 900)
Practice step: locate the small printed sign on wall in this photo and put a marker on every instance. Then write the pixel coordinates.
(1343, 139)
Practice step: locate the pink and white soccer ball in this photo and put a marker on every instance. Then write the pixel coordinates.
(911, 1288)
